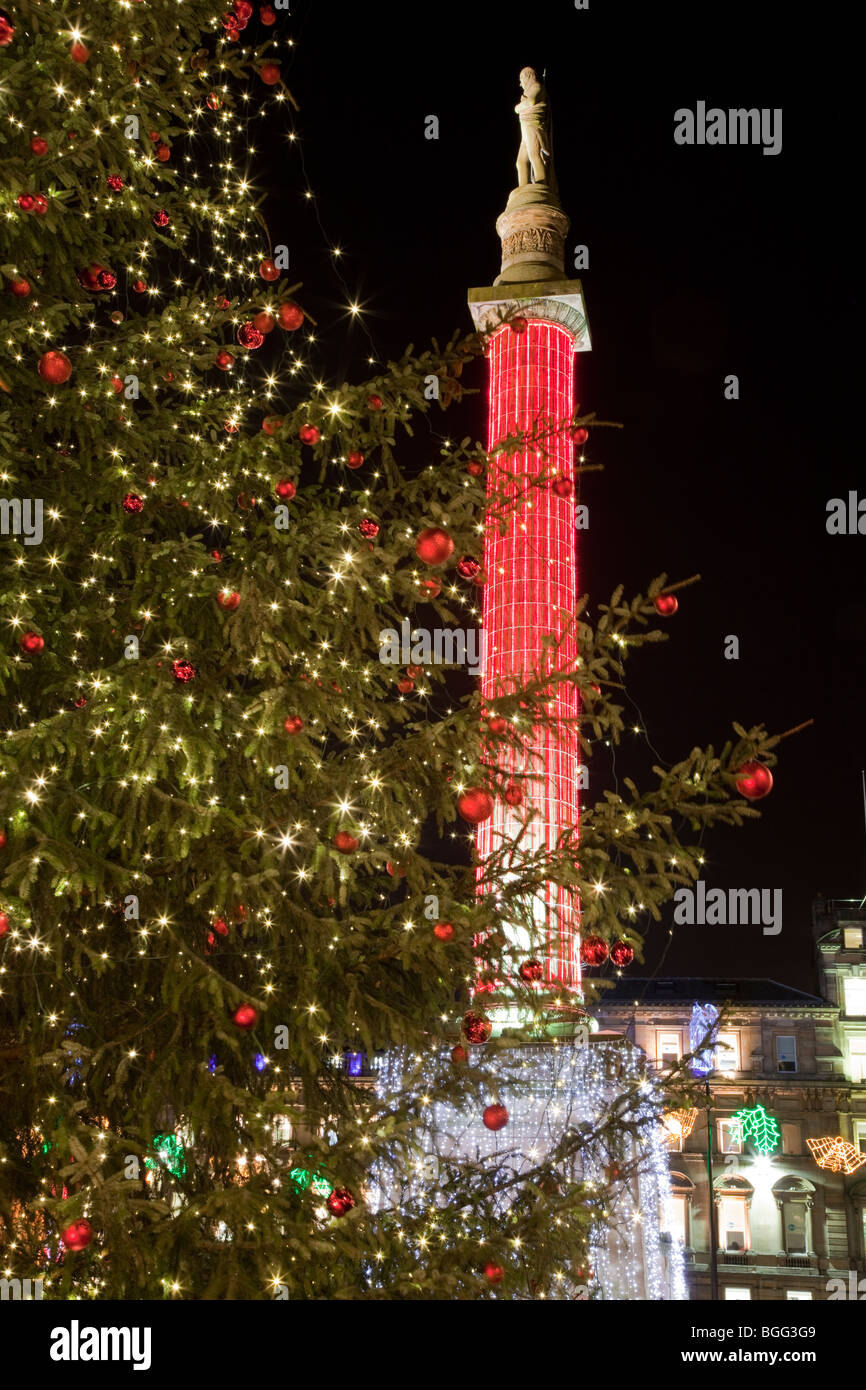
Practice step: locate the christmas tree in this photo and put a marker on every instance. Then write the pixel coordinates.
(239, 917)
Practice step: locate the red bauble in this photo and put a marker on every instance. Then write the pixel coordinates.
(40, 204)
(290, 316)
(405, 685)
(245, 1016)
(267, 15)
(519, 325)
(79, 53)
(434, 546)
(432, 586)
(513, 795)
(163, 153)
(183, 671)
(249, 336)
(494, 1273)
(221, 926)
(229, 599)
(594, 950)
(115, 182)
(531, 971)
(355, 459)
(345, 843)
(55, 367)
(116, 385)
(475, 805)
(293, 724)
(132, 502)
(106, 279)
(25, 202)
(309, 434)
(580, 435)
(77, 1235)
(621, 953)
(475, 468)
(3, 839)
(369, 529)
(666, 605)
(413, 671)
(495, 1117)
(467, 567)
(4, 924)
(20, 288)
(340, 1202)
(498, 725)
(459, 1054)
(754, 781)
(32, 643)
(286, 489)
(443, 930)
(7, 31)
(243, 9)
(563, 487)
(264, 322)
(224, 361)
(375, 402)
(271, 424)
(161, 219)
(268, 270)
(139, 286)
(213, 101)
(270, 74)
(476, 1028)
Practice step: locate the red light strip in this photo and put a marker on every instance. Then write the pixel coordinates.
(531, 592)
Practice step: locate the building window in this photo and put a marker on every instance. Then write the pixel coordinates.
(730, 1137)
(794, 1227)
(670, 1049)
(857, 1058)
(792, 1139)
(797, 1295)
(854, 987)
(860, 1135)
(737, 1295)
(733, 1223)
(786, 1052)
(727, 1052)
(852, 938)
(678, 1219)
(282, 1130)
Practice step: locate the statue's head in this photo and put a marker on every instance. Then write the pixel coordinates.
(527, 78)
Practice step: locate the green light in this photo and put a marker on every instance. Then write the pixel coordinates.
(759, 1127)
(169, 1155)
(303, 1178)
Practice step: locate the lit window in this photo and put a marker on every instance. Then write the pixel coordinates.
(792, 1139)
(786, 1052)
(730, 1136)
(855, 995)
(727, 1052)
(733, 1223)
(860, 1135)
(678, 1220)
(797, 1295)
(857, 1058)
(737, 1295)
(852, 938)
(670, 1045)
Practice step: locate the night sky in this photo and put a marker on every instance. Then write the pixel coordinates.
(702, 262)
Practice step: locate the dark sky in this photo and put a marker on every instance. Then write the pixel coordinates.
(703, 262)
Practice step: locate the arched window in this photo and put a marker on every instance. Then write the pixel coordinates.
(733, 1197)
(677, 1218)
(794, 1197)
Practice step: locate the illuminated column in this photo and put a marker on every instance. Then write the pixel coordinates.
(531, 590)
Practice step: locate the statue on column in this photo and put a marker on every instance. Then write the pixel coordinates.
(535, 156)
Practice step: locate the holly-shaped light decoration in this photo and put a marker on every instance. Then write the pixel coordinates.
(759, 1128)
(168, 1154)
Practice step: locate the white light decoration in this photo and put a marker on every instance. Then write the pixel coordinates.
(552, 1089)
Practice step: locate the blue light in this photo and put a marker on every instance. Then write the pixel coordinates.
(703, 1024)
(259, 1062)
(212, 1064)
(356, 1063)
